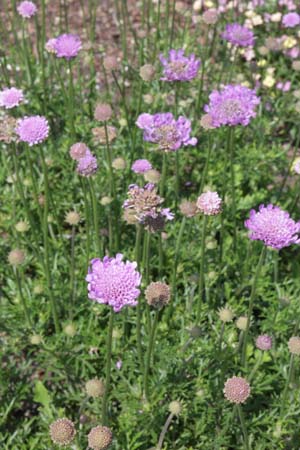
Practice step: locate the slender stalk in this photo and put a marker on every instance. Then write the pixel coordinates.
(164, 175)
(177, 248)
(137, 253)
(109, 161)
(72, 271)
(22, 298)
(230, 150)
(201, 276)
(251, 302)
(254, 370)
(287, 384)
(207, 159)
(108, 368)
(71, 102)
(243, 425)
(95, 216)
(164, 431)
(149, 354)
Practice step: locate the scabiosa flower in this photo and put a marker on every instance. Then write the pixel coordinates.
(157, 294)
(233, 105)
(67, 46)
(113, 282)
(273, 226)
(103, 112)
(294, 345)
(100, 438)
(178, 67)
(32, 130)
(238, 35)
(27, 9)
(87, 165)
(16, 257)
(237, 390)
(225, 315)
(209, 203)
(11, 97)
(78, 150)
(291, 20)
(141, 166)
(188, 208)
(62, 432)
(95, 388)
(163, 129)
(264, 342)
(50, 45)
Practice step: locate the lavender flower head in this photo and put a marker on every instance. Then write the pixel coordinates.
(87, 165)
(141, 166)
(237, 390)
(27, 9)
(50, 45)
(113, 282)
(233, 105)
(291, 20)
(163, 129)
(78, 151)
(264, 342)
(67, 46)
(209, 203)
(273, 226)
(178, 67)
(32, 130)
(238, 35)
(11, 97)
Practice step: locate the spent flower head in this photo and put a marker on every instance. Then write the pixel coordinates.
(178, 67)
(78, 150)
(157, 294)
(294, 345)
(62, 432)
(100, 438)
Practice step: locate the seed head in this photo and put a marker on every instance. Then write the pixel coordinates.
(157, 294)
(206, 122)
(225, 315)
(110, 63)
(237, 390)
(70, 329)
(119, 163)
(264, 342)
(152, 176)
(16, 257)
(62, 432)
(35, 339)
(175, 408)
(78, 150)
(72, 218)
(147, 72)
(241, 323)
(100, 438)
(100, 135)
(22, 226)
(187, 208)
(103, 112)
(210, 17)
(294, 345)
(94, 388)
(106, 200)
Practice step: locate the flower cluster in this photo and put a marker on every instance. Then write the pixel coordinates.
(178, 67)
(238, 35)
(233, 105)
(32, 130)
(273, 226)
(11, 97)
(163, 129)
(113, 282)
(145, 204)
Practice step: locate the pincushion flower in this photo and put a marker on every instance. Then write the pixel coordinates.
(141, 166)
(113, 282)
(27, 9)
(238, 35)
(209, 203)
(273, 226)
(32, 130)
(11, 97)
(163, 129)
(50, 45)
(237, 390)
(291, 20)
(67, 46)
(233, 105)
(178, 67)
(87, 165)
(264, 342)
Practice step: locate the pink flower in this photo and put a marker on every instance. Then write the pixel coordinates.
(67, 46)
(32, 130)
(264, 342)
(11, 97)
(209, 203)
(27, 9)
(141, 166)
(237, 390)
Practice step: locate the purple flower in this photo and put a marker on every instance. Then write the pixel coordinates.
(119, 364)
(163, 129)
(113, 282)
(273, 226)
(67, 46)
(27, 9)
(178, 67)
(233, 105)
(141, 166)
(264, 342)
(11, 97)
(239, 35)
(291, 20)
(50, 45)
(33, 129)
(87, 165)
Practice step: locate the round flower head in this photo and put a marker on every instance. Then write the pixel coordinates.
(206, 122)
(209, 203)
(187, 208)
(87, 165)
(32, 130)
(72, 218)
(119, 163)
(175, 408)
(67, 46)
(241, 323)
(141, 166)
(11, 97)
(273, 226)
(27, 9)
(225, 315)
(233, 105)
(99, 134)
(7, 128)
(296, 165)
(238, 35)
(22, 226)
(94, 388)
(100, 438)
(16, 257)
(210, 17)
(152, 176)
(62, 432)
(78, 150)
(291, 20)
(113, 282)
(163, 129)
(157, 294)
(294, 345)
(147, 72)
(264, 342)
(178, 67)
(103, 112)
(236, 390)
(50, 45)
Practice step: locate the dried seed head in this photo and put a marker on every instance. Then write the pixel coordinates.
(95, 388)
(175, 408)
(241, 323)
(210, 17)
(294, 345)
(100, 135)
(100, 438)
(72, 218)
(103, 112)
(35, 339)
(22, 226)
(119, 163)
(106, 200)
(70, 330)
(206, 122)
(62, 432)
(237, 390)
(110, 63)
(147, 72)
(157, 294)
(187, 208)
(225, 315)
(16, 257)
(152, 176)
(129, 217)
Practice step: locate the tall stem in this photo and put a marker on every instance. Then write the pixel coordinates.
(71, 102)
(243, 425)
(163, 176)
(139, 231)
(230, 149)
(251, 302)
(164, 431)
(23, 301)
(201, 276)
(95, 216)
(149, 354)
(284, 396)
(108, 368)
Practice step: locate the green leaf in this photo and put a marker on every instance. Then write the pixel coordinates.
(41, 394)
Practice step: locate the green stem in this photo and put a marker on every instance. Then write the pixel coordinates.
(164, 174)
(139, 231)
(95, 216)
(149, 354)
(287, 384)
(201, 276)
(71, 102)
(251, 302)
(164, 431)
(230, 148)
(108, 368)
(23, 301)
(177, 249)
(254, 370)
(243, 425)
(72, 272)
